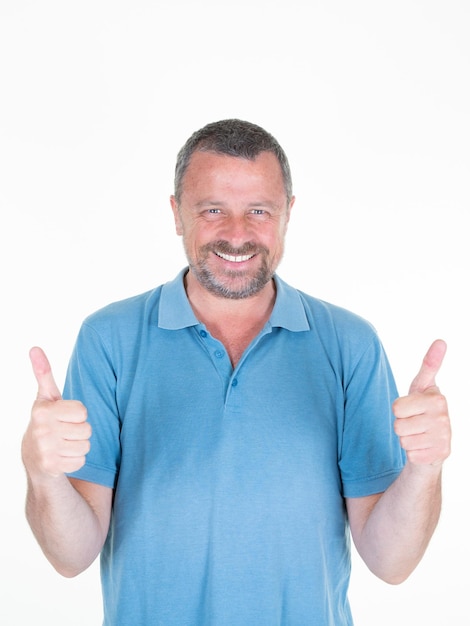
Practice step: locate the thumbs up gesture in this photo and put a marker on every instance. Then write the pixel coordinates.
(57, 438)
(422, 422)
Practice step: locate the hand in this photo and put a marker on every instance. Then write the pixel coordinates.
(57, 438)
(422, 422)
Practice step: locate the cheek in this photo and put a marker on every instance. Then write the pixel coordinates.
(180, 225)
(193, 238)
(278, 238)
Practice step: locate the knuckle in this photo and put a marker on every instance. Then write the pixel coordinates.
(399, 407)
(81, 409)
(399, 427)
(40, 415)
(80, 413)
(441, 402)
(77, 463)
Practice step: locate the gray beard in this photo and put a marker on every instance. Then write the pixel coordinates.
(248, 285)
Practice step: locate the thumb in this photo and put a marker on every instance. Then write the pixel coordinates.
(432, 362)
(47, 389)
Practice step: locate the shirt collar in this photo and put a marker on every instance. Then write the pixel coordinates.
(175, 312)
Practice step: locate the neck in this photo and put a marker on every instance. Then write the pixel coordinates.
(209, 307)
(233, 322)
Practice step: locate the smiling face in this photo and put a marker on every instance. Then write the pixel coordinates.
(233, 217)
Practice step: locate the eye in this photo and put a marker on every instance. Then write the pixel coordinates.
(211, 213)
(259, 214)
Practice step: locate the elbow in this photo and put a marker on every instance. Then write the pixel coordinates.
(392, 576)
(395, 580)
(67, 571)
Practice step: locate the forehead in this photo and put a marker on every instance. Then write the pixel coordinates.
(221, 171)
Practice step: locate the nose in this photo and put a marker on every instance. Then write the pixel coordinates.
(237, 230)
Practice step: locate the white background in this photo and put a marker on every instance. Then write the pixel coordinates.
(371, 102)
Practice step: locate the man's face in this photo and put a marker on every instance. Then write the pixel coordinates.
(233, 217)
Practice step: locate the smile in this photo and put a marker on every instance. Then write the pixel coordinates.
(235, 259)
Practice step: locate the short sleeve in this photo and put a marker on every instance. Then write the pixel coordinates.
(92, 380)
(371, 457)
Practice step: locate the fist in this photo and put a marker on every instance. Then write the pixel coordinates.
(57, 439)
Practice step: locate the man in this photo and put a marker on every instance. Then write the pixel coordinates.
(221, 434)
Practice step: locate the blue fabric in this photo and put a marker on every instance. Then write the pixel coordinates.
(229, 484)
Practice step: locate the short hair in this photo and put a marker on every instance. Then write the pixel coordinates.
(235, 138)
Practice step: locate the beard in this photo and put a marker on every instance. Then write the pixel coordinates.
(233, 284)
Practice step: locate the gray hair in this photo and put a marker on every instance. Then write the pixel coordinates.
(235, 138)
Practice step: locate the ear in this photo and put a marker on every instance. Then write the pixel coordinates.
(176, 215)
(289, 209)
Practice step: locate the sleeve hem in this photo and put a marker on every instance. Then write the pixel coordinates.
(368, 487)
(95, 474)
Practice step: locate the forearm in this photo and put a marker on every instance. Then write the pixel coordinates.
(64, 524)
(400, 526)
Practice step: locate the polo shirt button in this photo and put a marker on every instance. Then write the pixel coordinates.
(234, 382)
(203, 333)
(219, 353)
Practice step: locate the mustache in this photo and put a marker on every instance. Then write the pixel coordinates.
(249, 247)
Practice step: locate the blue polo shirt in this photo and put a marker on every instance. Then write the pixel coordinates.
(230, 483)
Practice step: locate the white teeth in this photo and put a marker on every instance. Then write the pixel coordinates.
(235, 259)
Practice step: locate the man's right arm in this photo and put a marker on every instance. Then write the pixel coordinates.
(69, 517)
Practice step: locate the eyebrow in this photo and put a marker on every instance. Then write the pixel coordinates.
(215, 203)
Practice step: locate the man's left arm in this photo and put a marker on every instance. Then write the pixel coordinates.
(392, 530)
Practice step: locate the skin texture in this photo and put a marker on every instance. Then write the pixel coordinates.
(70, 518)
(235, 207)
(233, 216)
